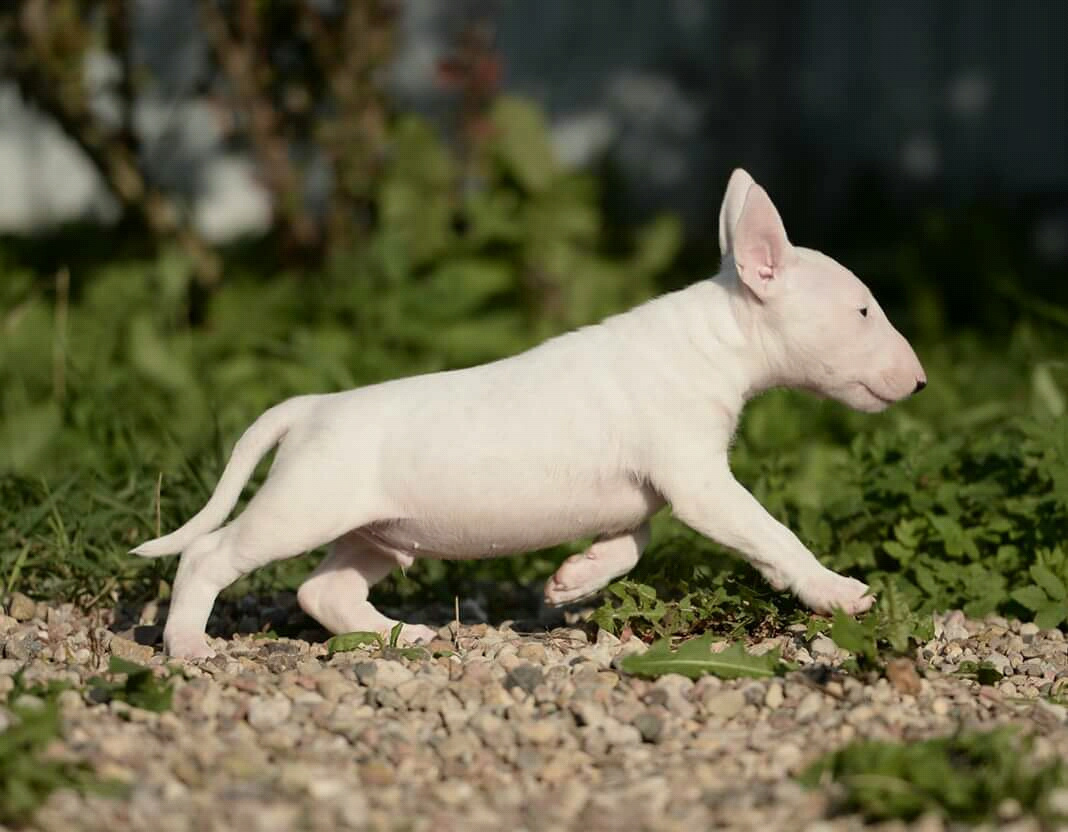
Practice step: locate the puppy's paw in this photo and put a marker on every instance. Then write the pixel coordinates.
(578, 577)
(188, 646)
(415, 634)
(829, 591)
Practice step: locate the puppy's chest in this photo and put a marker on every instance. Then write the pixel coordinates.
(495, 524)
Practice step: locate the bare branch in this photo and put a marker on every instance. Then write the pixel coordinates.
(355, 136)
(45, 65)
(240, 61)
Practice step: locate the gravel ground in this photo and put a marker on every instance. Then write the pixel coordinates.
(520, 729)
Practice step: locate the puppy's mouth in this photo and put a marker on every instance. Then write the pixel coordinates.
(866, 399)
(875, 395)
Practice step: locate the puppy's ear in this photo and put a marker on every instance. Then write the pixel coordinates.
(731, 209)
(759, 244)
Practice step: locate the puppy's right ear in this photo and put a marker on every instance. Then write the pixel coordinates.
(760, 247)
(731, 209)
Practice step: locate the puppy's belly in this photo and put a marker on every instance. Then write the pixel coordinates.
(499, 526)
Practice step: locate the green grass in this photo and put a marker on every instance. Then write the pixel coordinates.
(133, 684)
(28, 773)
(966, 778)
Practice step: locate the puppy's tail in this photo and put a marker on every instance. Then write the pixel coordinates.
(260, 437)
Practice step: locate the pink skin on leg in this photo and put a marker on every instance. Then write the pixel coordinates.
(582, 575)
(335, 594)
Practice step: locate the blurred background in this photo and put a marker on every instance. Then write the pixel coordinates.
(209, 205)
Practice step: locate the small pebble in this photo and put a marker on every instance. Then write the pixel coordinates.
(725, 705)
(526, 677)
(266, 712)
(810, 706)
(823, 648)
(21, 607)
(124, 648)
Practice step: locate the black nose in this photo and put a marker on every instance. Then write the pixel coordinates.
(920, 384)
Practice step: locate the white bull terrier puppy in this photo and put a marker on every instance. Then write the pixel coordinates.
(584, 436)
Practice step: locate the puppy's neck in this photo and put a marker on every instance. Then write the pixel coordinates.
(744, 348)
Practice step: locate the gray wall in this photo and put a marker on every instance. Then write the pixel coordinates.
(969, 97)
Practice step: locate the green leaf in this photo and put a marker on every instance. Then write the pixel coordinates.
(345, 642)
(657, 244)
(954, 538)
(1052, 615)
(636, 605)
(413, 653)
(156, 359)
(117, 664)
(987, 674)
(1031, 597)
(965, 777)
(695, 658)
(984, 672)
(858, 637)
(1053, 585)
(140, 688)
(902, 554)
(1047, 391)
(522, 142)
(908, 532)
(415, 198)
(895, 620)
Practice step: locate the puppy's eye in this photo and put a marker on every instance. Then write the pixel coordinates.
(864, 311)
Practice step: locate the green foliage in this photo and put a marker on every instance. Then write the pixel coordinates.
(391, 649)
(890, 628)
(858, 637)
(634, 605)
(964, 777)
(28, 773)
(695, 658)
(1047, 597)
(347, 642)
(138, 687)
(970, 515)
(983, 672)
(451, 276)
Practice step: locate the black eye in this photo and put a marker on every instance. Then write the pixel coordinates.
(864, 311)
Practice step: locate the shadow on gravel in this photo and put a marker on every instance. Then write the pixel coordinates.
(278, 615)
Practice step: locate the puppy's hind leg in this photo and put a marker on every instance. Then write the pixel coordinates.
(201, 576)
(283, 520)
(582, 575)
(335, 594)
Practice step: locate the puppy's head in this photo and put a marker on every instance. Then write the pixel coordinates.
(818, 325)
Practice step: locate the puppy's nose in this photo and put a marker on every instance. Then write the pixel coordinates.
(920, 384)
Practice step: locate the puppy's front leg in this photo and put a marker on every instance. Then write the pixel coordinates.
(712, 502)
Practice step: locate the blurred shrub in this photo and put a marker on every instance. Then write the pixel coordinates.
(427, 254)
(443, 281)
